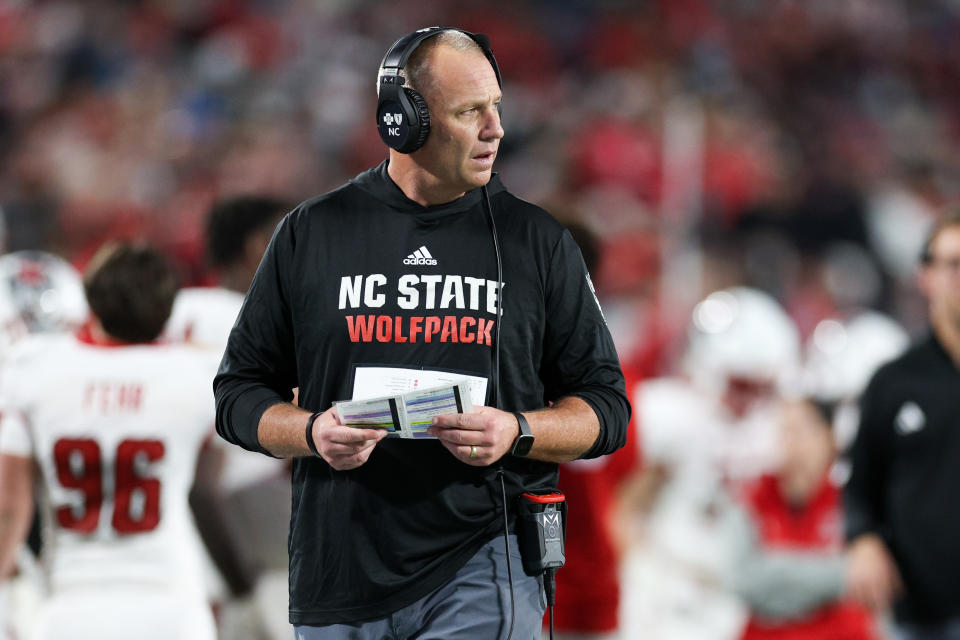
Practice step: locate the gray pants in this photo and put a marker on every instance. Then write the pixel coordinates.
(474, 605)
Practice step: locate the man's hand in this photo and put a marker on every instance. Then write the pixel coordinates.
(343, 447)
(479, 438)
(872, 576)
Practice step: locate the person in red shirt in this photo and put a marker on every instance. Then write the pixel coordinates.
(792, 574)
(588, 585)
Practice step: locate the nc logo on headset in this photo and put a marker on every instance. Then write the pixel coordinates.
(394, 127)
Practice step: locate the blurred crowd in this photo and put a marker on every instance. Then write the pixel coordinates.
(801, 149)
(798, 146)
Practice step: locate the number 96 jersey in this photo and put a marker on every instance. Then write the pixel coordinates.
(116, 431)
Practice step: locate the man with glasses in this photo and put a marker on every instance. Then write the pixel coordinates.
(901, 510)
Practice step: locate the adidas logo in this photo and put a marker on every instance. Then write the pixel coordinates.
(420, 256)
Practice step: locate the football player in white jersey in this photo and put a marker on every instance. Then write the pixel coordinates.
(109, 423)
(700, 434)
(256, 488)
(39, 293)
(237, 230)
(841, 356)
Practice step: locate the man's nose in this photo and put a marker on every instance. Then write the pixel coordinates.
(492, 127)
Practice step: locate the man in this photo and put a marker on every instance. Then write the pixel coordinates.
(114, 422)
(396, 271)
(841, 357)
(255, 489)
(702, 435)
(238, 230)
(588, 587)
(39, 293)
(901, 516)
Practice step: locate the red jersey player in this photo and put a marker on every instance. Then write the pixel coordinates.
(794, 577)
(588, 586)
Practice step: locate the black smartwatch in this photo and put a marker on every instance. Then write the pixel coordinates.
(524, 441)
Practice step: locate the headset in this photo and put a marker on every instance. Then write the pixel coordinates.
(403, 118)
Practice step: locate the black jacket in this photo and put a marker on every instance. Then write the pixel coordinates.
(906, 477)
(340, 287)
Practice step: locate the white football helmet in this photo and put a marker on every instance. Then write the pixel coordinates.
(842, 356)
(743, 333)
(39, 293)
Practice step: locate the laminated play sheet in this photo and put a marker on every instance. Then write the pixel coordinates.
(407, 415)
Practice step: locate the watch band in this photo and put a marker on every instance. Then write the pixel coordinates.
(524, 440)
(524, 425)
(310, 442)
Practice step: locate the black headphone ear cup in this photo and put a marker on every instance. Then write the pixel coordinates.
(423, 117)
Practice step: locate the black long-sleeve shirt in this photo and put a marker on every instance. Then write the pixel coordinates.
(365, 276)
(906, 477)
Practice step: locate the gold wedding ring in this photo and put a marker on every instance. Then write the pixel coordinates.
(473, 451)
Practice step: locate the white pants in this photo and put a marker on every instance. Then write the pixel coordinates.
(123, 613)
(667, 600)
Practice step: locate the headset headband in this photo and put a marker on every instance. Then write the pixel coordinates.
(402, 49)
